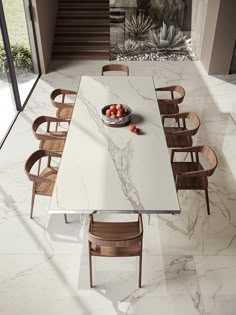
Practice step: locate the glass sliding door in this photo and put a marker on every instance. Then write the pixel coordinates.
(18, 60)
(21, 37)
(8, 109)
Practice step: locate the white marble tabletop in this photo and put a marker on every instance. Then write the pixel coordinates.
(113, 169)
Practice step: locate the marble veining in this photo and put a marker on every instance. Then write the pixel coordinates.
(189, 259)
(137, 170)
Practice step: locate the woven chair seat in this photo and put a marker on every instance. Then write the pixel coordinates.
(44, 188)
(65, 113)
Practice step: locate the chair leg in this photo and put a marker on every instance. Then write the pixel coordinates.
(177, 121)
(140, 269)
(191, 153)
(32, 204)
(65, 217)
(90, 267)
(207, 202)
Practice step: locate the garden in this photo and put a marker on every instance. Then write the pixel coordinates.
(18, 36)
(150, 31)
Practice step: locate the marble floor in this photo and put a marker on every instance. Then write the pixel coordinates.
(189, 259)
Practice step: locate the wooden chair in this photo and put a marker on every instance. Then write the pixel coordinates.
(115, 67)
(170, 105)
(192, 175)
(51, 140)
(115, 239)
(181, 136)
(64, 110)
(43, 180)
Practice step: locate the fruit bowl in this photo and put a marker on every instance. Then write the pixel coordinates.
(116, 115)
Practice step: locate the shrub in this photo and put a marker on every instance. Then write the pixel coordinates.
(138, 26)
(21, 59)
(168, 38)
(129, 47)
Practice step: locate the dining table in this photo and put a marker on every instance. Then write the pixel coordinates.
(107, 169)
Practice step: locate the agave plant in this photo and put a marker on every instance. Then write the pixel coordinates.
(168, 38)
(138, 26)
(129, 47)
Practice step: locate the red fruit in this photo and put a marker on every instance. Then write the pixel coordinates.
(126, 110)
(137, 131)
(119, 106)
(119, 114)
(113, 116)
(132, 128)
(112, 107)
(108, 112)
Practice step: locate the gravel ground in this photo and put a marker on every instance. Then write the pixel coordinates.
(158, 56)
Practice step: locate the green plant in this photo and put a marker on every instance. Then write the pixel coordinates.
(138, 26)
(168, 38)
(21, 58)
(129, 47)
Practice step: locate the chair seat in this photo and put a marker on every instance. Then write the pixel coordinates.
(109, 251)
(166, 109)
(65, 113)
(46, 189)
(53, 145)
(195, 182)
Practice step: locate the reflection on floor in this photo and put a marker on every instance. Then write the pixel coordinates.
(189, 259)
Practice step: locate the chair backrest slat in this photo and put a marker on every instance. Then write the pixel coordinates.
(115, 67)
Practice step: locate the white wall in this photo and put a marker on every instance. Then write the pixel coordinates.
(45, 13)
(199, 11)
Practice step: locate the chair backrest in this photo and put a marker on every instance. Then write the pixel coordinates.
(41, 120)
(193, 117)
(34, 158)
(61, 92)
(173, 100)
(211, 157)
(122, 242)
(37, 122)
(181, 91)
(115, 67)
